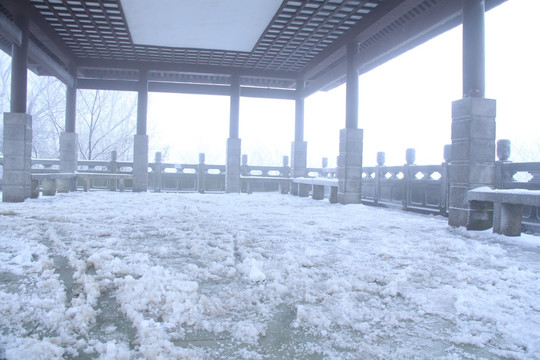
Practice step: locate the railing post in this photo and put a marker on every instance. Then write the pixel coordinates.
(324, 171)
(285, 172)
(202, 173)
(244, 171)
(445, 179)
(410, 158)
(157, 173)
(113, 169)
(381, 158)
(503, 154)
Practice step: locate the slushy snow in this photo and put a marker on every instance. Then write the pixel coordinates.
(266, 276)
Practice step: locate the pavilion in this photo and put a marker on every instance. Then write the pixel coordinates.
(270, 49)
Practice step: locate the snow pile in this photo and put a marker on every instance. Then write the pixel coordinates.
(266, 276)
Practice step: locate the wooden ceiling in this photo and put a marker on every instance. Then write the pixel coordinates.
(88, 44)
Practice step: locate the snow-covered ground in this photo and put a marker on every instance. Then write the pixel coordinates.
(263, 276)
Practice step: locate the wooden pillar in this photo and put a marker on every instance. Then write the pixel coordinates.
(299, 112)
(19, 65)
(298, 146)
(71, 109)
(234, 121)
(351, 121)
(473, 48)
(142, 102)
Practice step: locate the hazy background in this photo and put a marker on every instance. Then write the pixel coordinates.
(403, 103)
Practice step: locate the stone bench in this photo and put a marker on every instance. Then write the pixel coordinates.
(86, 177)
(506, 211)
(50, 182)
(317, 184)
(284, 183)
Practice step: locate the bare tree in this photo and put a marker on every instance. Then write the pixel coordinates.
(105, 119)
(5, 79)
(106, 122)
(46, 103)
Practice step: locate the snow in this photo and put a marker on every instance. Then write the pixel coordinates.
(506, 191)
(266, 276)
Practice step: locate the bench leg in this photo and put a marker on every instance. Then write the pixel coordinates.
(294, 188)
(318, 192)
(121, 185)
(49, 187)
(333, 195)
(35, 189)
(63, 185)
(249, 187)
(86, 184)
(480, 215)
(497, 218)
(510, 219)
(303, 190)
(284, 187)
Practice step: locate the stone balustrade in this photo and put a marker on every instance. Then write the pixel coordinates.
(409, 186)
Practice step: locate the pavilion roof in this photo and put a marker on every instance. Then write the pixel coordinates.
(98, 43)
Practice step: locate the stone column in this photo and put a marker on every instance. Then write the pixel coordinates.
(234, 143)
(17, 182)
(234, 150)
(472, 162)
(140, 163)
(17, 138)
(68, 138)
(349, 167)
(140, 141)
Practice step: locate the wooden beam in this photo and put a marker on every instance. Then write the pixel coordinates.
(116, 85)
(42, 30)
(198, 89)
(435, 21)
(41, 57)
(426, 23)
(268, 93)
(336, 74)
(201, 69)
(10, 31)
(380, 17)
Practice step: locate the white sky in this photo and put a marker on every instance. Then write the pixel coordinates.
(403, 103)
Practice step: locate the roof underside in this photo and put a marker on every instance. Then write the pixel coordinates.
(93, 45)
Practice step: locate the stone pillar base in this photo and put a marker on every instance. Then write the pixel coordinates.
(234, 152)
(17, 181)
(298, 158)
(68, 157)
(140, 163)
(349, 167)
(472, 162)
